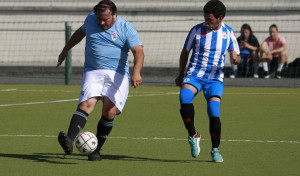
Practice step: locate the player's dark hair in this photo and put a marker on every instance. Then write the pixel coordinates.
(104, 5)
(246, 26)
(216, 7)
(273, 26)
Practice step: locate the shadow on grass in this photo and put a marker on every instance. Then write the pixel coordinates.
(135, 158)
(125, 158)
(58, 158)
(40, 157)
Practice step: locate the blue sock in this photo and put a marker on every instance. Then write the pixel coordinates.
(213, 108)
(186, 96)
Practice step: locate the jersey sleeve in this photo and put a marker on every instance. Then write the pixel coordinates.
(190, 40)
(132, 36)
(83, 27)
(233, 44)
(282, 40)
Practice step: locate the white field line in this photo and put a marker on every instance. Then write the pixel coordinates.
(19, 90)
(40, 102)
(135, 95)
(157, 138)
(154, 94)
(76, 99)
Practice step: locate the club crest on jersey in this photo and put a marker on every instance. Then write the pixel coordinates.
(224, 35)
(186, 80)
(114, 36)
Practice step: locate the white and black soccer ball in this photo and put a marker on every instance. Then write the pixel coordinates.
(86, 142)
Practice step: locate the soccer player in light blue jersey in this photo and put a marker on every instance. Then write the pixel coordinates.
(209, 41)
(106, 71)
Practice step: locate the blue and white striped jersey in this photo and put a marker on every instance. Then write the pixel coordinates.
(209, 49)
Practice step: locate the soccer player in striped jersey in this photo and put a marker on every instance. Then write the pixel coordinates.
(209, 41)
(106, 71)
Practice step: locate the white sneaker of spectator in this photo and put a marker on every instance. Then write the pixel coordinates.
(232, 76)
(255, 76)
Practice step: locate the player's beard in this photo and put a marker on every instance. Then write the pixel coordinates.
(214, 26)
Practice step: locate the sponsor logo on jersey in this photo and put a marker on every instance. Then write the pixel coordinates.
(114, 36)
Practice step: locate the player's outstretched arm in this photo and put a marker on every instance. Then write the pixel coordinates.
(138, 53)
(74, 40)
(182, 64)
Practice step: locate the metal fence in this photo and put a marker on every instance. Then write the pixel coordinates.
(32, 32)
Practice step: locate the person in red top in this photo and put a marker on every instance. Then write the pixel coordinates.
(273, 48)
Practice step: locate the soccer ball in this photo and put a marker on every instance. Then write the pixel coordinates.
(86, 142)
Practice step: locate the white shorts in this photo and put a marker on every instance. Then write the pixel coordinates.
(101, 83)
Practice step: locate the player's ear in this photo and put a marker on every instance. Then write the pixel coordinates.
(115, 13)
(221, 17)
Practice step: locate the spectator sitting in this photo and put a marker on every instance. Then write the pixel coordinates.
(249, 46)
(273, 49)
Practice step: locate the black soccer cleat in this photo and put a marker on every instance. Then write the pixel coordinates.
(95, 156)
(65, 142)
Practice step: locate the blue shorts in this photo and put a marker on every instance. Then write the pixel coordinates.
(211, 87)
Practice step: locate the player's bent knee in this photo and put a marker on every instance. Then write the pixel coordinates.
(186, 96)
(109, 111)
(85, 107)
(109, 114)
(283, 56)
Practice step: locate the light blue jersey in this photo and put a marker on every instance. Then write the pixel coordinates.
(108, 49)
(209, 49)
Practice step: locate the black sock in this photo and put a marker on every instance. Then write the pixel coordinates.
(77, 123)
(103, 129)
(215, 131)
(187, 113)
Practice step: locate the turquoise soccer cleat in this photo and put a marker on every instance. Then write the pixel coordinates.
(216, 155)
(195, 144)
